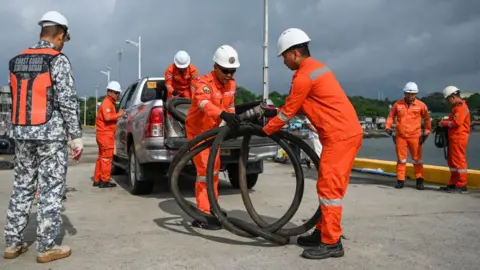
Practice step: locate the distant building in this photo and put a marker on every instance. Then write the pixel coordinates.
(5, 105)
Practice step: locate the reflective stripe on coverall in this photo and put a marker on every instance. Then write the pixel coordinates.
(184, 83)
(106, 125)
(409, 130)
(458, 124)
(209, 99)
(316, 91)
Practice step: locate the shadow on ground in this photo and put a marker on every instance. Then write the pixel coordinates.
(181, 220)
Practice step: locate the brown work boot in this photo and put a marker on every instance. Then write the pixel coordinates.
(55, 253)
(15, 251)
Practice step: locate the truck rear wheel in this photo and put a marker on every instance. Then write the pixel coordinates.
(235, 179)
(136, 174)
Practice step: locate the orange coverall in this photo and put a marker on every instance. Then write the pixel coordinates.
(409, 130)
(458, 124)
(316, 91)
(106, 125)
(210, 98)
(174, 80)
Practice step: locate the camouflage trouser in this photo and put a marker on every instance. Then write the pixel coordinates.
(45, 163)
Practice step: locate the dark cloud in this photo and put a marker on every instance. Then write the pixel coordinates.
(372, 45)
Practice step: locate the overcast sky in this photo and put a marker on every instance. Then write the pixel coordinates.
(372, 45)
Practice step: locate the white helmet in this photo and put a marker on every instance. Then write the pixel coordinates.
(289, 38)
(449, 90)
(410, 87)
(114, 86)
(181, 59)
(226, 56)
(55, 18)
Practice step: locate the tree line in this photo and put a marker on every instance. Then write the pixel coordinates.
(364, 106)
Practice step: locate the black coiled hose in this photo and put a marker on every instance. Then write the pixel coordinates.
(213, 138)
(441, 139)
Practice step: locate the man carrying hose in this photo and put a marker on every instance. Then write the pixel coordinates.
(409, 112)
(317, 93)
(213, 100)
(458, 125)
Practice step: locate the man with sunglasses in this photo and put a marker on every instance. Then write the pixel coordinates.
(213, 102)
(106, 125)
(44, 114)
(316, 92)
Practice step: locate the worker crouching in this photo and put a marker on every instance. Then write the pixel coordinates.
(458, 125)
(106, 124)
(409, 113)
(213, 101)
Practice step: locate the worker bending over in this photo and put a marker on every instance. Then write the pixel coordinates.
(316, 92)
(106, 125)
(458, 125)
(213, 101)
(180, 76)
(409, 112)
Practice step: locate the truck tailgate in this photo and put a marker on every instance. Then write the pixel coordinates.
(176, 142)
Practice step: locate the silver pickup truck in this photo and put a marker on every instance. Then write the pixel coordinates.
(145, 142)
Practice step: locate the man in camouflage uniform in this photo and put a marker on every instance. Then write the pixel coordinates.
(41, 149)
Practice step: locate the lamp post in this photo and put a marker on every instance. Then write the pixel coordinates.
(96, 99)
(85, 111)
(265, 50)
(139, 46)
(120, 53)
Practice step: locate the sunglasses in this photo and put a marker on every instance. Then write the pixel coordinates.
(227, 71)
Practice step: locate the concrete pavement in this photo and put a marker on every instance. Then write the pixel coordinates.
(386, 228)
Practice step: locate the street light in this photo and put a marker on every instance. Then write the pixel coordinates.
(107, 73)
(139, 46)
(96, 99)
(85, 111)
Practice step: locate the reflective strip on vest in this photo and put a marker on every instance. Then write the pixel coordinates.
(203, 179)
(330, 202)
(318, 72)
(203, 103)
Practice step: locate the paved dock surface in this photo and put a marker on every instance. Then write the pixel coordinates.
(386, 228)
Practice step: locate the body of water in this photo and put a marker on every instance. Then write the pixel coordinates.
(384, 149)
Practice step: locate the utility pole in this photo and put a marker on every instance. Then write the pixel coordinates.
(265, 50)
(96, 99)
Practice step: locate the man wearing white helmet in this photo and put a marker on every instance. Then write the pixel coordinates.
(458, 125)
(44, 114)
(213, 100)
(106, 125)
(409, 113)
(180, 76)
(316, 92)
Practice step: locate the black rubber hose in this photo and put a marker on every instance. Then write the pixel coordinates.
(171, 105)
(246, 196)
(230, 224)
(236, 226)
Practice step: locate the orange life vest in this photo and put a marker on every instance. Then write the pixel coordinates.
(31, 86)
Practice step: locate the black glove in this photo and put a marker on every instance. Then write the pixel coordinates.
(270, 113)
(389, 132)
(175, 92)
(232, 119)
(423, 138)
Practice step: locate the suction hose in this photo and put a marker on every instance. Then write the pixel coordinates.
(213, 138)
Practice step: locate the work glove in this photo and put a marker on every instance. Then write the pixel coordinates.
(175, 92)
(231, 119)
(77, 148)
(270, 113)
(389, 132)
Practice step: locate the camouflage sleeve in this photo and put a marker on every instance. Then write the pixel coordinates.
(66, 95)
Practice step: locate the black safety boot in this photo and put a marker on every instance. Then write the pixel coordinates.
(311, 240)
(96, 184)
(447, 188)
(64, 198)
(399, 184)
(210, 225)
(106, 184)
(420, 185)
(324, 251)
(461, 190)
